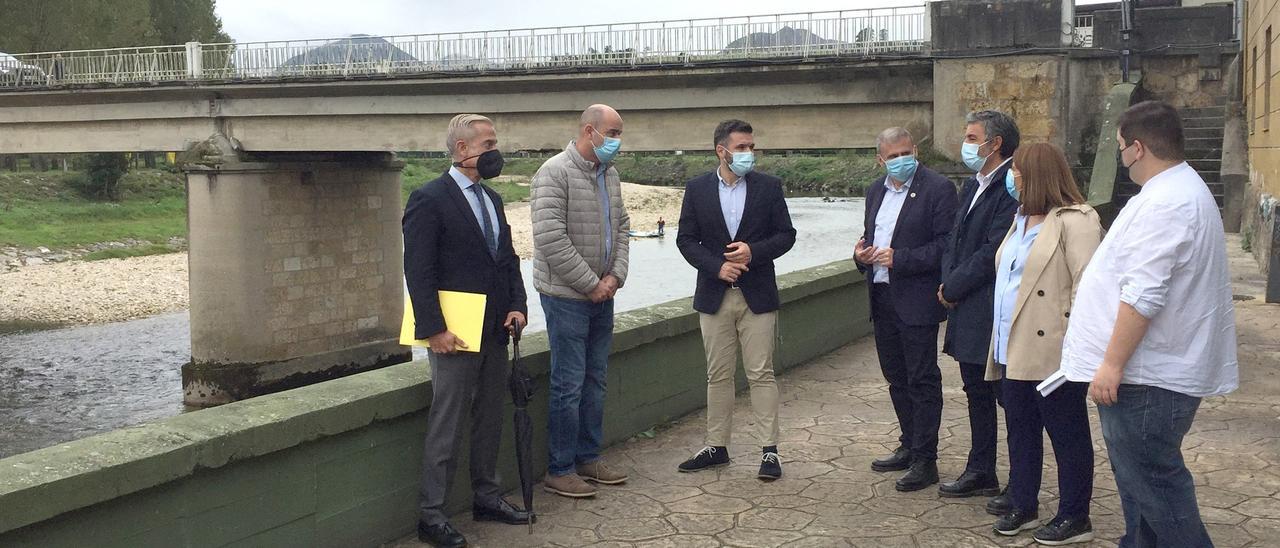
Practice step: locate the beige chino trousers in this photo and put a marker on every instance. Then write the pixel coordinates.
(732, 326)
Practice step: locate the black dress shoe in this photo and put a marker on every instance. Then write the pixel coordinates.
(501, 511)
(970, 484)
(899, 460)
(1001, 504)
(922, 473)
(441, 536)
(1017, 521)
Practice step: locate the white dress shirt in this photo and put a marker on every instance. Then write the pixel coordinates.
(1165, 256)
(733, 199)
(985, 181)
(465, 184)
(887, 222)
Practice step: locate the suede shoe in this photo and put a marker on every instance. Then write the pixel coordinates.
(899, 460)
(598, 472)
(568, 485)
(441, 535)
(501, 511)
(770, 467)
(970, 484)
(1016, 522)
(708, 457)
(1060, 531)
(922, 473)
(1001, 504)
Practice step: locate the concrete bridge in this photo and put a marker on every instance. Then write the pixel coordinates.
(294, 189)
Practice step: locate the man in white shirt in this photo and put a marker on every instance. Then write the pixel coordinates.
(1153, 329)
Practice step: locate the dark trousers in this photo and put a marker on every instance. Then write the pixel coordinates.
(909, 362)
(1064, 415)
(462, 384)
(982, 395)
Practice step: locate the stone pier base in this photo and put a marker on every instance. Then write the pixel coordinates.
(296, 272)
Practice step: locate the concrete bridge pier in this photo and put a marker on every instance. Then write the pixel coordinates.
(295, 269)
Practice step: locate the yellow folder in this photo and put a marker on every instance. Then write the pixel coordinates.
(463, 316)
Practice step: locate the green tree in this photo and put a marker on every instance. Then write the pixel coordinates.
(181, 21)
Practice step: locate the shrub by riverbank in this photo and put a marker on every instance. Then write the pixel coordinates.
(843, 173)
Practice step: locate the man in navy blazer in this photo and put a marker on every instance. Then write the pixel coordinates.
(908, 219)
(968, 288)
(456, 238)
(733, 224)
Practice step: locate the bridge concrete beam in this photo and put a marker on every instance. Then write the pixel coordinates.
(536, 112)
(296, 272)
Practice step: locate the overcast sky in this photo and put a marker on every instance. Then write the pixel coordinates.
(262, 20)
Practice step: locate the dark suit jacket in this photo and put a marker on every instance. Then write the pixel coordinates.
(969, 267)
(444, 249)
(765, 227)
(919, 239)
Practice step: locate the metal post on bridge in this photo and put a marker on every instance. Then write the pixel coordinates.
(195, 61)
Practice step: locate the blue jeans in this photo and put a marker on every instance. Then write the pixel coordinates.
(1144, 431)
(579, 333)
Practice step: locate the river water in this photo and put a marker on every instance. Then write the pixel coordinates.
(65, 384)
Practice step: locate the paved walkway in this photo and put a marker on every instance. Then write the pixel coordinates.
(837, 418)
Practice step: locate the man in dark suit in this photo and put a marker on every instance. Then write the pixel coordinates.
(908, 220)
(733, 224)
(456, 238)
(968, 285)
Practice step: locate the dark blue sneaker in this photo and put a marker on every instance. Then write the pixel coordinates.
(708, 457)
(1062, 531)
(770, 467)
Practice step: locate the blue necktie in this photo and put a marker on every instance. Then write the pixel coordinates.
(489, 237)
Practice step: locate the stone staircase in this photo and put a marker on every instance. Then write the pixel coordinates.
(1203, 129)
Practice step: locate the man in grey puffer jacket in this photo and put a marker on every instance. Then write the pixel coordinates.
(579, 261)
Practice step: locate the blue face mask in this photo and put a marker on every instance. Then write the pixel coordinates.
(742, 163)
(607, 150)
(1008, 185)
(969, 154)
(902, 168)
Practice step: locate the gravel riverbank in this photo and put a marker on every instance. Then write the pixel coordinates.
(80, 292)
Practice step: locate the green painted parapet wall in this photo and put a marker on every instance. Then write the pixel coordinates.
(337, 463)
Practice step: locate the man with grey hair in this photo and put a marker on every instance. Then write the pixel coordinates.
(456, 238)
(580, 231)
(968, 290)
(907, 222)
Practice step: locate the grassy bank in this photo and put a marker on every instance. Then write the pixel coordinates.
(44, 209)
(844, 173)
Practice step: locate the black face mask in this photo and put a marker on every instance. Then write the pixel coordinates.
(489, 163)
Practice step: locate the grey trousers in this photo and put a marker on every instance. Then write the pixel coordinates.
(461, 383)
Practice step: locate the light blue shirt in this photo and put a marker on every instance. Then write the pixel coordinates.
(887, 222)
(465, 184)
(602, 188)
(1008, 280)
(733, 199)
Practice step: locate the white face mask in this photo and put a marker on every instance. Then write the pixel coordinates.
(969, 154)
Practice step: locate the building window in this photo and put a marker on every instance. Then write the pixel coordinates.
(1252, 96)
(1266, 83)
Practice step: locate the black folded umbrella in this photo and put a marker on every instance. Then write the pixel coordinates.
(521, 390)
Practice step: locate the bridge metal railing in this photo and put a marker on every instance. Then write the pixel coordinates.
(850, 33)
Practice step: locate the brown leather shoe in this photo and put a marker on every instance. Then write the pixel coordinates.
(568, 485)
(599, 472)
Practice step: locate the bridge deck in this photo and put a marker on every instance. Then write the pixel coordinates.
(837, 418)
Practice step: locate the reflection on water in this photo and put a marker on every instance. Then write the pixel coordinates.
(66, 384)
